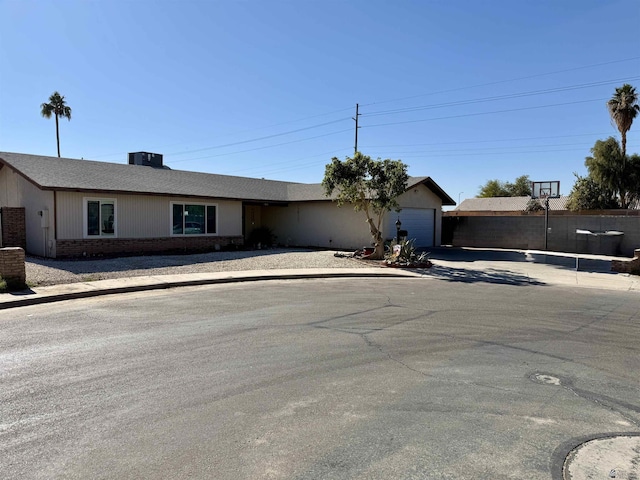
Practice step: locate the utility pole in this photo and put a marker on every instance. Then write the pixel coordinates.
(355, 150)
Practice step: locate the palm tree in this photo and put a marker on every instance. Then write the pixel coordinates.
(623, 108)
(59, 108)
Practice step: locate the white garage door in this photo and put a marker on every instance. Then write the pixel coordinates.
(418, 222)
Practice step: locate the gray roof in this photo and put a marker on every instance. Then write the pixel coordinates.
(53, 173)
(506, 204)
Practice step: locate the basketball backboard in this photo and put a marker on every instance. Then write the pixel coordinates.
(547, 189)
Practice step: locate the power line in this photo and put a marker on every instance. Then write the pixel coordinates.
(483, 113)
(498, 82)
(486, 141)
(260, 138)
(262, 148)
(500, 97)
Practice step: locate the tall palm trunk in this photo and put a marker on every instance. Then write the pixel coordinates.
(57, 136)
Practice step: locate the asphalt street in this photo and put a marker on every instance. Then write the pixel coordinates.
(317, 379)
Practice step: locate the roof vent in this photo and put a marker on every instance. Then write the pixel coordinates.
(146, 158)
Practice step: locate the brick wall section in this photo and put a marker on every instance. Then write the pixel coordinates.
(141, 246)
(526, 231)
(12, 268)
(14, 232)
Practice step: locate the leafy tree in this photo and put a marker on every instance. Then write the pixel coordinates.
(534, 205)
(607, 167)
(495, 188)
(623, 108)
(588, 194)
(371, 186)
(520, 188)
(58, 107)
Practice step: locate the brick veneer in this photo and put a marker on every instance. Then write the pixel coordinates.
(12, 267)
(141, 246)
(14, 232)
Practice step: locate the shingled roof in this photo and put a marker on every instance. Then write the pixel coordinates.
(66, 174)
(506, 204)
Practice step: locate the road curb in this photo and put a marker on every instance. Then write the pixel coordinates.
(92, 291)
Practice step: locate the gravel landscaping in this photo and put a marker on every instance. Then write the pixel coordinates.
(53, 272)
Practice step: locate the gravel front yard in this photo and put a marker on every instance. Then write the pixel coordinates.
(52, 272)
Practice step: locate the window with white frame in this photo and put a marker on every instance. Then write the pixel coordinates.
(194, 219)
(99, 217)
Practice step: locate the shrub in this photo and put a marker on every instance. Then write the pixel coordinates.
(261, 236)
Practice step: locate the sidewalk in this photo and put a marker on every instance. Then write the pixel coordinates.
(513, 267)
(69, 291)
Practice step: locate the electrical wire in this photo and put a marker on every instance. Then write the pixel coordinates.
(498, 82)
(500, 97)
(484, 113)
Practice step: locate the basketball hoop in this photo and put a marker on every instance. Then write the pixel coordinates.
(544, 191)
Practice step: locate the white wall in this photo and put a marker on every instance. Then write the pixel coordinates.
(320, 224)
(140, 216)
(324, 224)
(422, 197)
(15, 191)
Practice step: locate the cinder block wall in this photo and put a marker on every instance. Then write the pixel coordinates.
(12, 267)
(14, 232)
(526, 231)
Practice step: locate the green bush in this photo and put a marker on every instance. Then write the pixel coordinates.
(261, 236)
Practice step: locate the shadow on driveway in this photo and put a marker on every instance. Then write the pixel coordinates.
(468, 275)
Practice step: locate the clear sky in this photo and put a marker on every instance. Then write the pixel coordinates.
(461, 90)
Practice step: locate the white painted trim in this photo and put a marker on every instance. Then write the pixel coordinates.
(85, 223)
(184, 204)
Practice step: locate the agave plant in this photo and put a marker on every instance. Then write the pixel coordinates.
(404, 253)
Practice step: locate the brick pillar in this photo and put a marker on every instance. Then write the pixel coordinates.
(14, 231)
(12, 267)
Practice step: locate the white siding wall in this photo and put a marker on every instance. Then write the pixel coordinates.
(323, 224)
(140, 216)
(320, 224)
(15, 191)
(421, 197)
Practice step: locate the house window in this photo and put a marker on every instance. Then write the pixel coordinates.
(99, 217)
(194, 219)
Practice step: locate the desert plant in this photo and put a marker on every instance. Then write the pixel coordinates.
(405, 253)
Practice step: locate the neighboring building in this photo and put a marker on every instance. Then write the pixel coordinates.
(75, 208)
(507, 204)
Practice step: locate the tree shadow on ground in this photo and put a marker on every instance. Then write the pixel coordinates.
(468, 275)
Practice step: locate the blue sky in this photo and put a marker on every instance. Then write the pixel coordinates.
(462, 91)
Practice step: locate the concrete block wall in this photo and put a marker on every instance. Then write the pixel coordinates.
(141, 246)
(14, 232)
(526, 231)
(12, 267)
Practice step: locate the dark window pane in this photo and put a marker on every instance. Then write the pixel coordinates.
(194, 219)
(108, 218)
(178, 226)
(93, 218)
(211, 219)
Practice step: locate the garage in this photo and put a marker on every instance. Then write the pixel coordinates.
(418, 222)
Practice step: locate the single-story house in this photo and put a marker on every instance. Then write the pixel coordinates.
(61, 207)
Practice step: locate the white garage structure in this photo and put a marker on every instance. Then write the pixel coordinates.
(419, 223)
